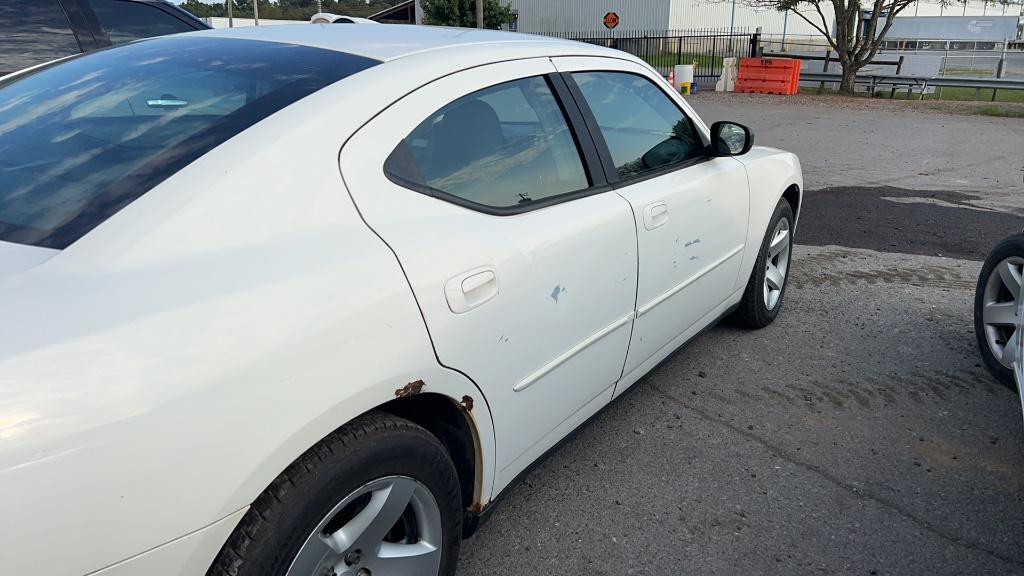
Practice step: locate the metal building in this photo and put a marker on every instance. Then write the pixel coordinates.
(989, 28)
(577, 16)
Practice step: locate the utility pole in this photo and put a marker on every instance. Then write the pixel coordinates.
(256, 11)
(785, 23)
(732, 25)
(479, 13)
(231, 19)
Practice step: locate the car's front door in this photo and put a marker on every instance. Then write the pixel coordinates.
(523, 263)
(690, 208)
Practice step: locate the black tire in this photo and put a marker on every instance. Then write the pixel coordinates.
(372, 446)
(752, 311)
(1010, 247)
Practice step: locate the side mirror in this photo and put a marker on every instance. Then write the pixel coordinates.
(731, 139)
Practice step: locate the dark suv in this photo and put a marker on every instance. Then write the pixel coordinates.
(37, 31)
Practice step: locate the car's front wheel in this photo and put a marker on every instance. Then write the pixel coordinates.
(762, 298)
(997, 304)
(380, 496)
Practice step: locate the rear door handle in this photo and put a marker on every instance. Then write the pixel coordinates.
(655, 215)
(471, 289)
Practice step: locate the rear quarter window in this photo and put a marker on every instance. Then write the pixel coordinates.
(505, 147)
(81, 139)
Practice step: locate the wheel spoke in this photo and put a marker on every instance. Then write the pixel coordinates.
(774, 278)
(367, 529)
(1011, 350)
(779, 243)
(1010, 277)
(1000, 314)
(315, 553)
(411, 559)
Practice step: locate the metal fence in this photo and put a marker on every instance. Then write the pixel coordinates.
(919, 59)
(663, 49)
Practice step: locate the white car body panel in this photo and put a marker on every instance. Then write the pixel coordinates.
(690, 259)
(165, 368)
(555, 336)
(190, 554)
(139, 353)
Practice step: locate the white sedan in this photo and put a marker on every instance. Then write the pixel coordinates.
(328, 18)
(297, 301)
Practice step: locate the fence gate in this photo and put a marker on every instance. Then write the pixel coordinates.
(662, 49)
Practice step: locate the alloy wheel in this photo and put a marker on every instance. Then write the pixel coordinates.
(391, 526)
(777, 264)
(1001, 309)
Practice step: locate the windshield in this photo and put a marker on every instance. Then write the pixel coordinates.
(81, 139)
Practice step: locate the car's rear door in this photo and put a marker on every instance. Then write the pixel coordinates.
(523, 263)
(690, 208)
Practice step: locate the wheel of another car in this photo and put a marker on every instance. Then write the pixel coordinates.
(379, 496)
(997, 308)
(762, 298)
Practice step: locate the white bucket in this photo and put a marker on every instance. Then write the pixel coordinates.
(684, 73)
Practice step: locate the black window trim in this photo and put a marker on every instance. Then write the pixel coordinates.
(102, 40)
(585, 147)
(178, 13)
(615, 181)
(79, 27)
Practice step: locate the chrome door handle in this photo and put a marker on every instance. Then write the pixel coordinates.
(471, 289)
(655, 215)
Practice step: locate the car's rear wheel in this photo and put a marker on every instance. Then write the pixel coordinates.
(380, 496)
(762, 298)
(997, 304)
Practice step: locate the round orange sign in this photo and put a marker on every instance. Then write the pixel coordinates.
(611, 20)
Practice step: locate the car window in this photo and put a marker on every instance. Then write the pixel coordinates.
(81, 139)
(504, 146)
(643, 128)
(123, 22)
(33, 32)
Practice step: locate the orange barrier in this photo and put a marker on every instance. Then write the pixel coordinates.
(768, 76)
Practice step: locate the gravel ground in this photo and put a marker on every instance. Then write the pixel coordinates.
(858, 434)
(863, 103)
(871, 143)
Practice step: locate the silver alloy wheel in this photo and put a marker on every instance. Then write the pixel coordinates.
(777, 264)
(1001, 305)
(391, 526)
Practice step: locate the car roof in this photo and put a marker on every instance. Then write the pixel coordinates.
(383, 43)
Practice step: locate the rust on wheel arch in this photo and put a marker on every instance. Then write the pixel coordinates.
(414, 387)
(466, 405)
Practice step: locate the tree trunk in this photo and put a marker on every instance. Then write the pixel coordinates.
(849, 79)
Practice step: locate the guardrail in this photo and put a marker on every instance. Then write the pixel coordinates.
(897, 81)
(828, 59)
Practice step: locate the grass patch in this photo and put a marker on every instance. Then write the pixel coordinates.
(1001, 112)
(968, 73)
(668, 60)
(952, 94)
(965, 94)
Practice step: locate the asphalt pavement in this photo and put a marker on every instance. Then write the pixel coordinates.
(858, 434)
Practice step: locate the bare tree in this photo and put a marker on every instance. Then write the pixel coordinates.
(856, 38)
